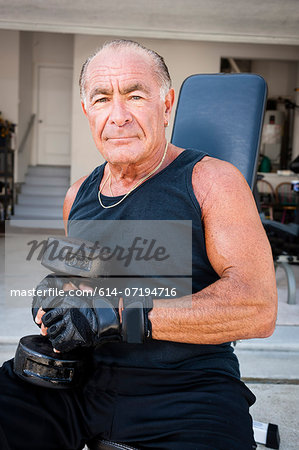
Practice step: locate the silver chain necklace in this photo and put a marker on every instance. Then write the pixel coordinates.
(134, 187)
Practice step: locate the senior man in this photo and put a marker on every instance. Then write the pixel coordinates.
(181, 388)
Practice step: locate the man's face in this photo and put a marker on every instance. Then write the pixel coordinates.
(123, 105)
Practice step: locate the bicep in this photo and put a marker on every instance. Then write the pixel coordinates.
(236, 242)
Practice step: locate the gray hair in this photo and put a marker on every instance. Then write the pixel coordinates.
(159, 66)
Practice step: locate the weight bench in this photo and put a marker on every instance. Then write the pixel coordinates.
(221, 114)
(102, 444)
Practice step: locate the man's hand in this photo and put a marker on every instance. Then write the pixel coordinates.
(72, 321)
(46, 295)
(82, 322)
(50, 293)
(89, 321)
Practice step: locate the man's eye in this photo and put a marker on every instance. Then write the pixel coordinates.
(135, 97)
(101, 100)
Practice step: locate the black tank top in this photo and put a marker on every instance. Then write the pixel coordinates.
(168, 195)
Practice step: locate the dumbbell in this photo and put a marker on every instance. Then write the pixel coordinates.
(35, 361)
(76, 258)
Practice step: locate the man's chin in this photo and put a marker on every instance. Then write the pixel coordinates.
(122, 150)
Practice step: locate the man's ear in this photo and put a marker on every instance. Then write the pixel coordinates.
(169, 101)
(83, 108)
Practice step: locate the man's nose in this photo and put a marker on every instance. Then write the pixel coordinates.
(119, 115)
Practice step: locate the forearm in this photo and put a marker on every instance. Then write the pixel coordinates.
(225, 311)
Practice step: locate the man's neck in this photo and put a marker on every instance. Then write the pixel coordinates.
(122, 177)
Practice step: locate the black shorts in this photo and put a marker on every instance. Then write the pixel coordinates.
(159, 409)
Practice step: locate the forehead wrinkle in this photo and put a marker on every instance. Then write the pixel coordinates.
(118, 67)
(124, 69)
(106, 77)
(123, 74)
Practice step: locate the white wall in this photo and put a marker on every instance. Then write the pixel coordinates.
(183, 59)
(280, 75)
(9, 73)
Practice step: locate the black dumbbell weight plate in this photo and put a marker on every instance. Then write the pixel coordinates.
(36, 362)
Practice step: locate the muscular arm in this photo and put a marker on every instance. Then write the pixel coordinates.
(242, 304)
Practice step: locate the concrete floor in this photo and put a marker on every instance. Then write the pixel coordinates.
(270, 367)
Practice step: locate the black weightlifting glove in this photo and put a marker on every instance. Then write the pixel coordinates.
(82, 322)
(46, 294)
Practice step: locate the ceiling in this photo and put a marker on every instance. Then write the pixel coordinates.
(252, 21)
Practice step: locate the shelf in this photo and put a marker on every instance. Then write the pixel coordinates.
(8, 151)
(7, 176)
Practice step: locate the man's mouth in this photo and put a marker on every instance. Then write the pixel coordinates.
(120, 137)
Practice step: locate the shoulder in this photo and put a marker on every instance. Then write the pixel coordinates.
(214, 179)
(70, 197)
